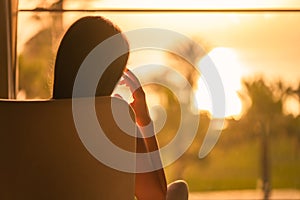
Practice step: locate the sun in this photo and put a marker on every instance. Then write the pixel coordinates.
(230, 70)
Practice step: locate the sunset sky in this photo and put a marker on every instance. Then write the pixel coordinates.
(241, 44)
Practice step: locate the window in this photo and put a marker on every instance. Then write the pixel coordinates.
(255, 48)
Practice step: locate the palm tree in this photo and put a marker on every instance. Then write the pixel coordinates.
(267, 106)
(266, 117)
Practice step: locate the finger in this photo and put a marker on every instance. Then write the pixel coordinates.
(130, 83)
(124, 80)
(132, 76)
(118, 96)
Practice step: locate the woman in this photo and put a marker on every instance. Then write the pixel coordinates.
(83, 36)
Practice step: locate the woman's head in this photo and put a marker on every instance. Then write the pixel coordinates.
(80, 39)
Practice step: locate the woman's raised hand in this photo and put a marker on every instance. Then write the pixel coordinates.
(139, 104)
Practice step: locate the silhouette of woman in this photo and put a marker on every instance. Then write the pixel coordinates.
(83, 36)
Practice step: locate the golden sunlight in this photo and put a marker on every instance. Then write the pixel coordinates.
(229, 68)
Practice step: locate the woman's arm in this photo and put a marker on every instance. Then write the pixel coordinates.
(150, 185)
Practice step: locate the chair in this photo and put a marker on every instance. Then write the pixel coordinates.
(42, 156)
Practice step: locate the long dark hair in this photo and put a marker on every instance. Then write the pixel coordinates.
(83, 36)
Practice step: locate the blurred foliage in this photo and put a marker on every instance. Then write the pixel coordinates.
(36, 61)
(276, 132)
(36, 66)
(185, 58)
(262, 145)
(266, 110)
(259, 150)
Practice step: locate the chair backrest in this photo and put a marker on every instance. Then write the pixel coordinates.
(42, 156)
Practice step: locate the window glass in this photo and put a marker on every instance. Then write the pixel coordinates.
(257, 57)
